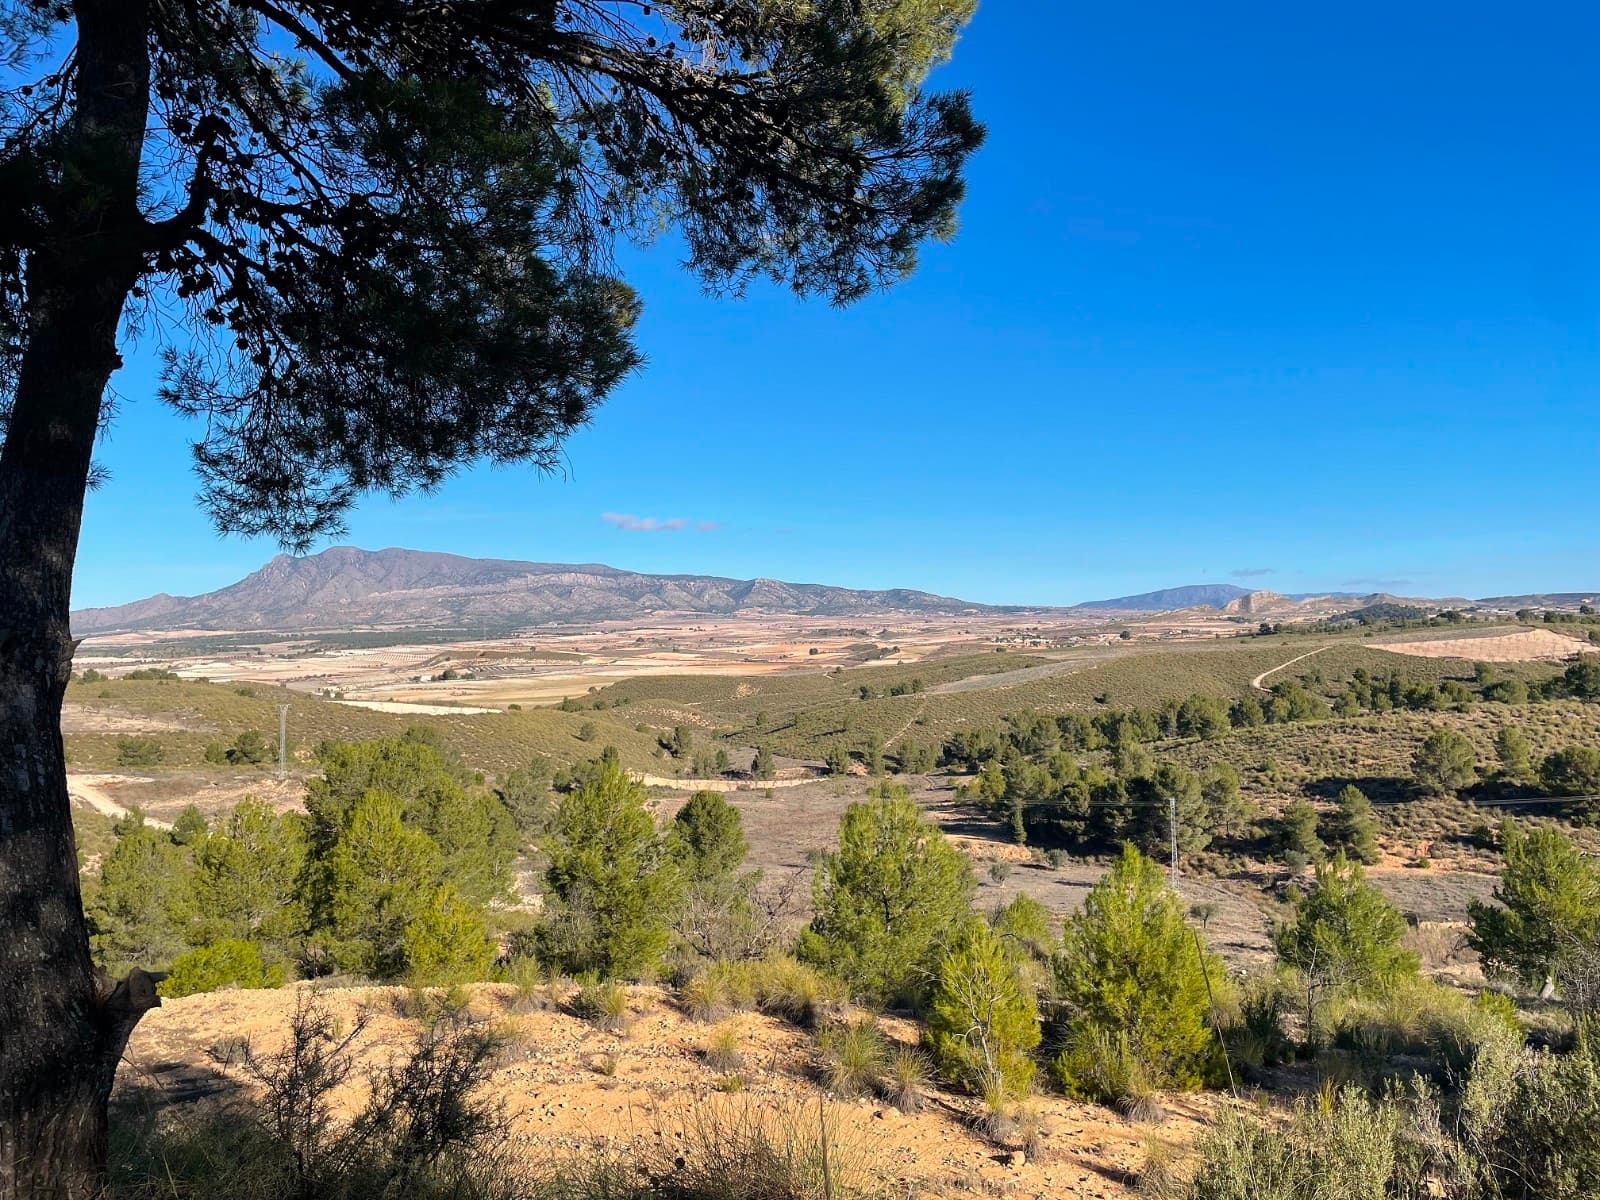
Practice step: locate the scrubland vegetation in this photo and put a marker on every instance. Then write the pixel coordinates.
(1379, 1080)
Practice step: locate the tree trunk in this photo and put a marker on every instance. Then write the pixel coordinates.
(62, 1029)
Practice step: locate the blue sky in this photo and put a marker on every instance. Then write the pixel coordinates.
(1247, 293)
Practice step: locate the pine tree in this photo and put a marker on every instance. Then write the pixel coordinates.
(1297, 832)
(886, 897)
(382, 875)
(473, 830)
(607, 862)
(138, 910)
(247, 879)
(1345, 935)
(708, 834)
(1547, 906)
(1153, 816)
(1445, 763)
(382, 246)
(1355, 826)
(1227, 809)
(1129, 965)
(1512, 749)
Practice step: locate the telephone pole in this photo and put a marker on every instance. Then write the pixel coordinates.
(1172, 833)
(283, 740)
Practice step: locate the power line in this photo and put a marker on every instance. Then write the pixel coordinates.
(1498, 803)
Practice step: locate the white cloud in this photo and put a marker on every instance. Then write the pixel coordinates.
(634, 524)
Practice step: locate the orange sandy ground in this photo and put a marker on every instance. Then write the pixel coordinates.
(562, 1104)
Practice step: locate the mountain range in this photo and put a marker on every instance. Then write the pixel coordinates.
(345, 587)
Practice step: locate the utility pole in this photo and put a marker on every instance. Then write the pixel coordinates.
(1172, 833)
(283, 740)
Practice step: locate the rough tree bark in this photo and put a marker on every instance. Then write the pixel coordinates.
(62, 1028)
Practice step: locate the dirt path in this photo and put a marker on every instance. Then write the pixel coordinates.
(720, 785)
(90, 791)
(1260, 679)
(894, 737)
(1000, 679)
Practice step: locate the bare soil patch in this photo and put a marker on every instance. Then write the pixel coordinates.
(659, 1090)
(84, 718)
(1527, 645)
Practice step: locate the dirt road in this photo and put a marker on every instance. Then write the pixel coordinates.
(1261, 679)
(90, 789)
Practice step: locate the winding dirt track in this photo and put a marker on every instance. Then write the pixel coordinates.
(80, 787)
(1260, 679)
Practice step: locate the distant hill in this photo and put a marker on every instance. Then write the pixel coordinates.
(1194, 595)
(1542, 600)
(345, 587)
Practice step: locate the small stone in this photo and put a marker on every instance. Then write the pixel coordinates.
(1017, 1159)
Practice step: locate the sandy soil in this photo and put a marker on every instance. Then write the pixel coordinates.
(163, 796)
(660, 1090)
(93, 791)
(1528, 645)
(426, 710)
(85, 718)
(725, 785)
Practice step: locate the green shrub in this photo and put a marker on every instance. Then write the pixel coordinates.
(1573, 771)
(1547, 906)
(190, 827)
(604, 1003)
(905, 1076)
(1543, 1141)
(1256, 1038)
(982, 1019)
(722, 1052)
(1102, 1065)
(138, 752)
(1526, 1127)
(533, 983)
(1131, 966)
(249, 749)
(1417, 1018)
(1345, 935)
(704, 997)
(893, 889)
(228, 963)
(1343, 1149)
(853, 1056)
(793, 990)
